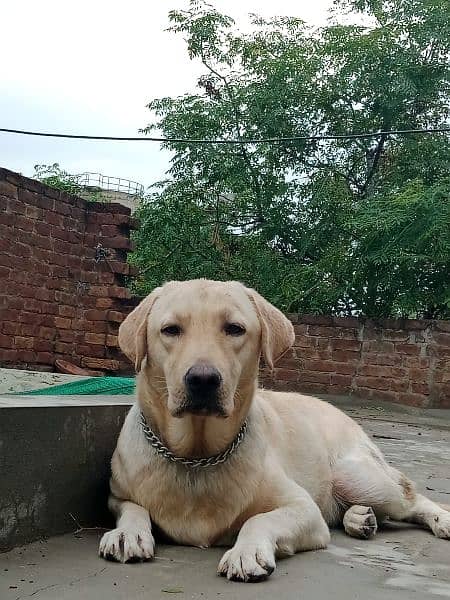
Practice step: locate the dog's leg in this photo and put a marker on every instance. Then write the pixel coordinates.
(368, 481)
(296, 525)
(132, 540)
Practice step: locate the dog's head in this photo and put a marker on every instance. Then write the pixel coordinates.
(200, 341)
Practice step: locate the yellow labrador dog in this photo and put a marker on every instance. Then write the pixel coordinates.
(211, 459)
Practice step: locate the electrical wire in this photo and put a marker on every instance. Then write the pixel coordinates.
(270, 140)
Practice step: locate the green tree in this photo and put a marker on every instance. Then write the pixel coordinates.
(356, 225)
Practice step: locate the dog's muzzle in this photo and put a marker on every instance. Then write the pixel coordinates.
(203, 382)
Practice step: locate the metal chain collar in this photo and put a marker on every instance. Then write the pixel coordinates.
(192, 463)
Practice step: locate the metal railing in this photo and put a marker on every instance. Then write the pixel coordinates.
(109, 183)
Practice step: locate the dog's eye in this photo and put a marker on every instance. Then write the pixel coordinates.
(171, 330)
(234, 329)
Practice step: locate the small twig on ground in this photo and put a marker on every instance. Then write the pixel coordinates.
(81, 528)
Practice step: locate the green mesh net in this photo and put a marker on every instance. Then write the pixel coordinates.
(92, 386)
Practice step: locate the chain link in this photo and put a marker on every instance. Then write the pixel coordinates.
(192, 463)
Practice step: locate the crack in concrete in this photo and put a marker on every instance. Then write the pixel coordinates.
(63, 585)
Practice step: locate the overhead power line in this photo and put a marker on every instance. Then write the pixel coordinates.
(298, 138)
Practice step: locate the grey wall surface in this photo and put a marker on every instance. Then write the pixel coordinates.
(54, 463)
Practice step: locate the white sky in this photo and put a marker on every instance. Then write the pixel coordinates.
(90, 68)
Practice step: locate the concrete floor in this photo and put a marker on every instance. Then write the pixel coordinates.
(402, 562)
(13, 381)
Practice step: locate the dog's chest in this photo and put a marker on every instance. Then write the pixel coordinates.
(192, 508)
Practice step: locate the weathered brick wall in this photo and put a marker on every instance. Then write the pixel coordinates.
(59, 298)
(404, 361)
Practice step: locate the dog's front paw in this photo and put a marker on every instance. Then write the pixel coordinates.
(127, 546)
(248, 562)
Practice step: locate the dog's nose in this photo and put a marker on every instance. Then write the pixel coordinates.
(202, 380)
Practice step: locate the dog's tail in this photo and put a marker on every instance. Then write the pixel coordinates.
(444, 506)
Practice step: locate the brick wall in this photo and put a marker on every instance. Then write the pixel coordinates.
(402, 361)
(59, 298)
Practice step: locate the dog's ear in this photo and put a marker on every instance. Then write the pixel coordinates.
(277, 332)
(133, 331)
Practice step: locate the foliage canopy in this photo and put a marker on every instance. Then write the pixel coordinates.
(358, 226)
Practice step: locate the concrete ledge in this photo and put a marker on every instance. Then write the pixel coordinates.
(55, 462)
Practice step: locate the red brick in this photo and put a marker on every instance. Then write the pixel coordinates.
(33, 212)
(343, 380)
(43, 345)
(66, 335)
(342, 344)
(386, 395)
(6, 341)
(395, 336)
(381, 359)
(309, 387)
(62, 323)
(377, 383)
(398, 385)
(421, 362)
(302, 341)
(120, 267)
(26, 355)
(379, 347)
(98, 363)
(92, 326)
(92, 350)
(314, 377)
(45, 358)
(418, 375)
(345, 368)
(320, 331)
(8, 189)
(23, 342)
(63, 348)
(420, 388)
(289, 363)
(95, 338)
(300, 330)
(24, 223)
(286, 375)
(345, 356)
(415, 324)
(98, 290)
(411, 349)
(96, 315)
(11, 328)
(442, 339)
(348, 322)
(104, 302)
(8, 355)
(105, 277)
(67, 311)
(47, 333)
(325, 366)
(4, 272)
(46, 203)
(113, 315)
(54, 219)
(112, 340)
(375, 370)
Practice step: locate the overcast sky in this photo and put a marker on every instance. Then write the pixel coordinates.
(90, 67)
